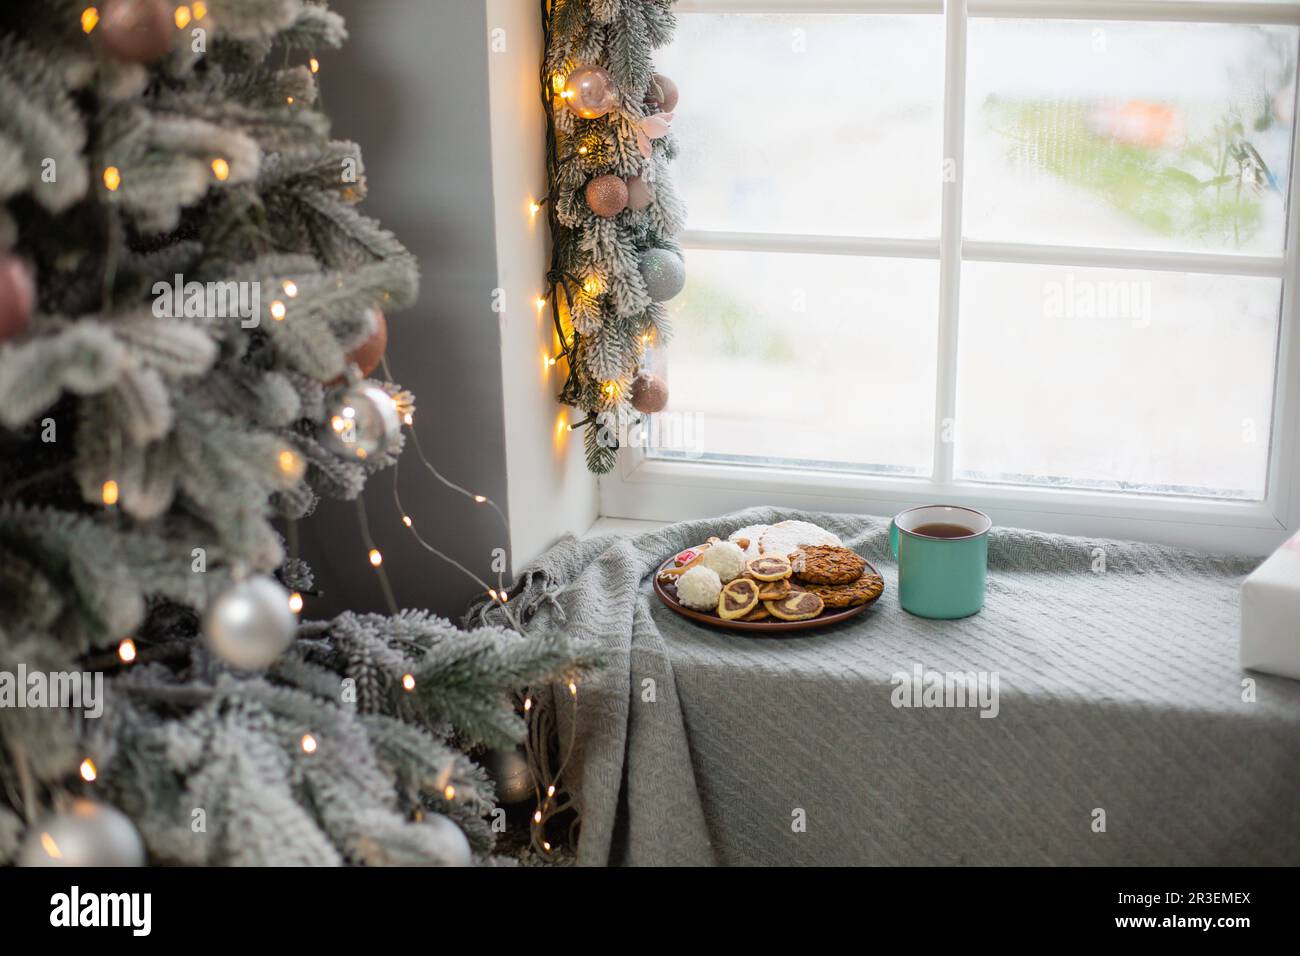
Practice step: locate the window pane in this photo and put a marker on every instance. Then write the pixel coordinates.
(1116, 379)
(827, 360)
(827, 124)
(1141, 135)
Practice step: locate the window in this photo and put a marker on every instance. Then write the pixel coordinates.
(1004, 252)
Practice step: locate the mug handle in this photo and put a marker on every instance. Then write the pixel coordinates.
(893, 538)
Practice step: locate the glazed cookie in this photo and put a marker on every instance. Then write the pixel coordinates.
(785, 536)
(750, 536)
(866, 588)
(825, 564)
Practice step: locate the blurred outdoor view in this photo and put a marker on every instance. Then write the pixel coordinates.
(1161, 136)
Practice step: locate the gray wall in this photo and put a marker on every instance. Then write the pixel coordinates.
(411, 87)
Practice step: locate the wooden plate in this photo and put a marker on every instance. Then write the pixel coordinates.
(767, 626)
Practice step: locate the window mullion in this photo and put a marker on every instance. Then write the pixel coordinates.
(953, 174)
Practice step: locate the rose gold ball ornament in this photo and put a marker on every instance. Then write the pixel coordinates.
(591, 92)
(638, 193)
(648, 393)
(607, 195)
(136, 31)
(370, 353)
(17, 297)
(662, 95)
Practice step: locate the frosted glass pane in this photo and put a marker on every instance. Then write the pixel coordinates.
(818, 124)
(1116, 379)
(824, 360)
(1137, 135)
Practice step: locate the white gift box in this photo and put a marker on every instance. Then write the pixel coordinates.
(1270, 613)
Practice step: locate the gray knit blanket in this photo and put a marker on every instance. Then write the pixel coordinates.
(1122, 730)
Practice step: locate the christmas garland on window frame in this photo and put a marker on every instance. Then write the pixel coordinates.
(614, 215)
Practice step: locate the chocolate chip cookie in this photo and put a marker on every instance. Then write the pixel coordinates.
(866, 588)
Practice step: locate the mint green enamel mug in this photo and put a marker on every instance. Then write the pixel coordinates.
(943, 557)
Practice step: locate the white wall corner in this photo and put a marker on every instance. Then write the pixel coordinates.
(551, 493)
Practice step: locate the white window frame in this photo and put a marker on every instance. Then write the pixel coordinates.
(658, 489)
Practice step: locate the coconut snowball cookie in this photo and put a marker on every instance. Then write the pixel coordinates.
(725, 558)
(699, 588)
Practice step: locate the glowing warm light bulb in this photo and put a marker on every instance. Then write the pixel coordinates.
(408, 681)
(540, 303)
(89, 19)
(582, 150)
(534, 208)
(308, 744)
(528, 704)
(88, 773)
(289, 100)
(537, 817)
(295, 602)
(406, 520)
(558, 82)
(376, 559)
(492, 593)
(449, 792)
(109, 492)
(550, 361)
(546, 846)
(277, 310)
(314, 64)
(573, 688)
(50, 847)
(290, 288)
(550, 791)
(112, 178)
(221, 169)
(200, 9)
(126, 651)
(480, 499)
(290, 464)
(183, 16)
(408, 418)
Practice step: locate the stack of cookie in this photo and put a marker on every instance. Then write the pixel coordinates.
(835, 574)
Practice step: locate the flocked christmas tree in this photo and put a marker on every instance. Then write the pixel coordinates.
(186, 292)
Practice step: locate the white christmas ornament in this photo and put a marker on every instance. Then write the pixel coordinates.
(362, 422)
(453, 847)
(87, 834)
(510, 773)
(250, 624)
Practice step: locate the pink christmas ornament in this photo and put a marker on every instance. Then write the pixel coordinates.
(638, 193)
(662, 95)
(590, 92)
(17, 297)
(607, 195)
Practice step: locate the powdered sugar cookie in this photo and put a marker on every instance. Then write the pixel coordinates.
(752, 532)
(785, 536)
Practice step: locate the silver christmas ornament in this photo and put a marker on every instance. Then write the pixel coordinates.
(510, 773)
(664, 273)
(362, 422)
(453, 848)
(590, 92)
(250, 624)
(87, 834)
